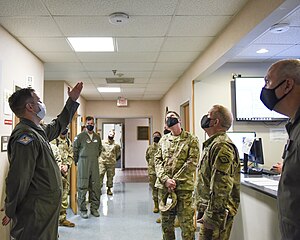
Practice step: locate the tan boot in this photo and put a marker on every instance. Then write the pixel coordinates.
(176, 223)
(66, 223)
(155, 209)
(109, 192)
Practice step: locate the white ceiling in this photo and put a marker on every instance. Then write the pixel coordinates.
(159, 43)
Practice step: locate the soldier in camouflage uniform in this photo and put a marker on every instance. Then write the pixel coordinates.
(65, 152)
(151, 150)
(111, 152)
(217, 191)
(175, 164)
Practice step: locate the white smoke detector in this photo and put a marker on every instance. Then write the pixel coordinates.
(279, 28)
(118, 18)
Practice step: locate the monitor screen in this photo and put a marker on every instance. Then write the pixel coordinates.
(238, 138)
(256, 152)
(248, 106)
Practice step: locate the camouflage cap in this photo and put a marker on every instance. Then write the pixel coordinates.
(168, 202)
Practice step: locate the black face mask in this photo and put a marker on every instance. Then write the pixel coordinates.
(156, 139)
(171, 121)
(205, 121)
(64, 132)
(110, 138)
(269, 98)
(166, 131)
(90, 127)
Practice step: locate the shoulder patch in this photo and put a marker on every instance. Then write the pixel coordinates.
(25, 139)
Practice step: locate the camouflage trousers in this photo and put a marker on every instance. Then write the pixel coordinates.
(217, 234)
(152, 180)
(185, 214)
(109, 169)
(64, 201)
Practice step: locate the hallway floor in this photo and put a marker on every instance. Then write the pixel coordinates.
(125, 215)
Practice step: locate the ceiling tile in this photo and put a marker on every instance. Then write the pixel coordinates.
(126, 74)
(120, 67)
(172, 57)
(106, 7)
(198, 25)
(204, 7)
(139, 44)
(273, 50)
(22, 8)
(166, 74)
(65, 75)
(292, 52)
(57, 56)
(186, 44)
(31, 26)
(162, 80)
(63, 67)
(170, 66)
(118, 57)
(137, 27)
(46, 44)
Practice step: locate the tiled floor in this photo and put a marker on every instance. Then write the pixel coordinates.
(125, 215)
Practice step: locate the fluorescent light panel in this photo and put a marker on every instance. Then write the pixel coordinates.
(109, 89)
(92, 44)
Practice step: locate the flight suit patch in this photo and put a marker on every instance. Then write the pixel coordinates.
(25, 139)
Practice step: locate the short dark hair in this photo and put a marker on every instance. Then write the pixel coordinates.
(18, 100)
(88, 118)
(157, 132)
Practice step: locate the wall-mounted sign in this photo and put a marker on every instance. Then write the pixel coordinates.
(4, 142)
(7, 121)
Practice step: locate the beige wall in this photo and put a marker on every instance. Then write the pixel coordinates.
(16, 63)
(56, 94)
(135, 109)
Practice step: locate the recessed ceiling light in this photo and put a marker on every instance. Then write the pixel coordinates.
(92, 44)
(109, 89)
(262, 50)
(279, 28)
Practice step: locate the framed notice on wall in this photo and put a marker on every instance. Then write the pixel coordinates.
(4, 142)
(142, 133)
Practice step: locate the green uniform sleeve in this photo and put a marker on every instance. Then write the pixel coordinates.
(147, 155)
(20, 173)
(118, 151)
(221, 184)
(159, 166)
(76, 148)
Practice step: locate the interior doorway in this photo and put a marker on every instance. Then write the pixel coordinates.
(185, 115)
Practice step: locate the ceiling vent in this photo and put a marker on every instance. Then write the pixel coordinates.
(120, 80)
(118, 18)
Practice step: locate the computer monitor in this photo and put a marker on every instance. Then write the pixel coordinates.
(238, 138)
(256, 154)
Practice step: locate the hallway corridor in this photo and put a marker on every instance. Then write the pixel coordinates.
(127, 215)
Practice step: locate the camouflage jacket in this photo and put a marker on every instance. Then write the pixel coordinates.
(151, 150)
(217, 191)
(177, 158)
(65, 150)
(111, 151)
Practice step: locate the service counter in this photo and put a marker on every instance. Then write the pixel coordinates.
(257, 217)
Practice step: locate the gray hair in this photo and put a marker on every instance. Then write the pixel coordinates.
(288, 68)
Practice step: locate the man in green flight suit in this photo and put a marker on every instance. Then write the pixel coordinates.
(151, 150)
(86, 150)
(65, 151)
(33, 183)
(111, 151)
(175, 163)
(217, 191)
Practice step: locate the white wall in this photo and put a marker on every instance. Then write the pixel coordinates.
(16, 63)
(216, 89)
(135, 150)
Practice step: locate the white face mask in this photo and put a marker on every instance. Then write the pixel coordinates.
(41, 114)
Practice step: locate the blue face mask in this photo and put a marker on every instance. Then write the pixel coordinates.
(42, 113)
(269, 98)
